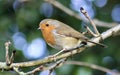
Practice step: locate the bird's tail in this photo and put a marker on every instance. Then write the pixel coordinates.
(97, 43)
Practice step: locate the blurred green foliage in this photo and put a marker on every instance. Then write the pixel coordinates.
(25, 17)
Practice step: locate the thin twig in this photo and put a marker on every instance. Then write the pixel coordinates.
(24, 0)
(16, 69)
(93, 66)
(77, 16)
(12, 56)
(88, 17)
(41, 68)
(89, 31)
(35, 70)
(51, 67)
(28, 73)
(85, 32)
(57, 64)
(7, 52)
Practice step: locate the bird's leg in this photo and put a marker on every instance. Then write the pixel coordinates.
(53, 56)
(82, 44)
(59, 52)
(68, 50)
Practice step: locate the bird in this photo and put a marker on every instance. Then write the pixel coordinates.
(61, 36)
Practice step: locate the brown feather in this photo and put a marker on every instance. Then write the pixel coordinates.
(66, 30)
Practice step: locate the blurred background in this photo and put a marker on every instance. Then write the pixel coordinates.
(19, 20)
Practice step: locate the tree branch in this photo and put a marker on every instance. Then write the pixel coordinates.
(93, 66)
(104, 35)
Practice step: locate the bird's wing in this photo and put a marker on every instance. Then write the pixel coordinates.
(70, 32)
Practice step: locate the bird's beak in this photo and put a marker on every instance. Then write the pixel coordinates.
(39, 28)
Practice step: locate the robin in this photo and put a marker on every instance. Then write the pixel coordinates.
(61, 36)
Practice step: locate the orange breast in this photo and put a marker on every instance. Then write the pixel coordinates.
(48, 36)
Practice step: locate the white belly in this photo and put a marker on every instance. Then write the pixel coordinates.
(64, 42)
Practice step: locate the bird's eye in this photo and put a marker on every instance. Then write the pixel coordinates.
(47, 25)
